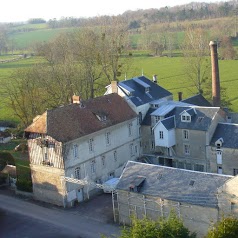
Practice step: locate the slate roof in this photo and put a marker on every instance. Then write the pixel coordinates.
(173, 184)
(198, 100)
(199, 121)
(137, 87)
(169, 123)
(229, 133)
(72, 121)
(147, 119)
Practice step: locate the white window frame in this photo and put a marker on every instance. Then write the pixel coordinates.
(75, 151)
(93, 166)
(90, 145)
(107, 138)
(131, 150)
(185, 118)
(161, 135)
(157, 119)
(77, 173)
(185, 134)
(130, 128)
(186, 149)
(103, 159)
(115, 155)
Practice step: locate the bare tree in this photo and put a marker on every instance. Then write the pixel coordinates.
(196, 63)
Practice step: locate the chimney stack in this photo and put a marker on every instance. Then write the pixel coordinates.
(216, 98)
(180, 96)
(75, 99)
(114, 86)
(155, 78)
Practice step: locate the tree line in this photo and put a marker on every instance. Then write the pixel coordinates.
(82, 62)
(172, 227)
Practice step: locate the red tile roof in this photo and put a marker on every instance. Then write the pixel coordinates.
(73, 121)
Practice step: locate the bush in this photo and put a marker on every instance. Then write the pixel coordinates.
(172, 227)
(24, 184)
(6, 158)
(226, 228)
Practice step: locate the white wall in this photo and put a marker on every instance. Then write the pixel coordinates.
(169, 136)
(120, 141)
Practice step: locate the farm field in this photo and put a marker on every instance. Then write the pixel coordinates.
(169, 70)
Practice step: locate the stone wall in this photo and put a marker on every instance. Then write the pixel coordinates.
(47, 185)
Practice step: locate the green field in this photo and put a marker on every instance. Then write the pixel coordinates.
(169, 70)
(24, 40)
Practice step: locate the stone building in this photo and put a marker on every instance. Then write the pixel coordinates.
(223, 149)
(200, 199)
(89, 140)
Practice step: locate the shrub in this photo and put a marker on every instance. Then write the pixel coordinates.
(6, 158)
(226, 228)
(24, 184)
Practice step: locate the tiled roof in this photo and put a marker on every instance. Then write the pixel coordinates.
(198, 100)
(73, 121)
(229, 133)
(136, 86)
(174, 184)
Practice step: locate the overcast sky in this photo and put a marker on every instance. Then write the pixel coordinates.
(22, 10)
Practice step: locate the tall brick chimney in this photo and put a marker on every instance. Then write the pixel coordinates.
(114, 86)
(216, 98)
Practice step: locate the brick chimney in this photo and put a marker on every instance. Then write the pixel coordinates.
(75, 99)
(216, 98)
(180, 96)
(114, 86)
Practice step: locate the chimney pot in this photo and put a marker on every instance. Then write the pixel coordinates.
(215, 75)
(155, 78)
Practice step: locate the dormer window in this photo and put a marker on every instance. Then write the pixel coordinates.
(186, 118)
(147, 90)
(219, 143)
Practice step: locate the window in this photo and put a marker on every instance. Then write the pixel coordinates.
(75, 151)
(161, 135)
(115, 155)
(107, 137)
(187, 149)
(103, 161)
(90, 145)
(93, 168)
(185, 134)
(130, 129)
(188, 166)
(140, 117)
(235, 172)
(199, 167)
(185, 118)
(219, 169)
(147, 89)
(152, 145)
(136, 150)
(151, 131)
(77, 173)
(131, 150)
(157, 118)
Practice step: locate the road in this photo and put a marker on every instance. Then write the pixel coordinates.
(19, 218)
